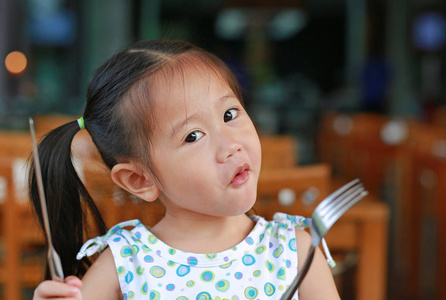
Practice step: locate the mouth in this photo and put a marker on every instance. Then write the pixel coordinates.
(241, 175)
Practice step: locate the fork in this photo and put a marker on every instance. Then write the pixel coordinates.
(324, 216)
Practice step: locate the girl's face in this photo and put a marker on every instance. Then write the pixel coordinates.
(206, 151)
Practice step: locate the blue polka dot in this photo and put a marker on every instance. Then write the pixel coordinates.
(269, 289)
(292, 245)
(192, 261)
(238, 275)
(248, 260)
(183, 270)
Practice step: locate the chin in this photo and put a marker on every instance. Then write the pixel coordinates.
(248, 204)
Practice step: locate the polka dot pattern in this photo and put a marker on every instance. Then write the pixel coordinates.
(262, 266)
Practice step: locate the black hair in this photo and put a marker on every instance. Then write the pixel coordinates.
(117, 117)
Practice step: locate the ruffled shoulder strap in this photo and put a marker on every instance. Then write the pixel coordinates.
(98, 244)
(302, 222)
(297, 221)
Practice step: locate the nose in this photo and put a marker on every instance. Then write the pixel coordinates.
(227, 146)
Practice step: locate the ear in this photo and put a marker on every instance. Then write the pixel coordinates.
(133, 180)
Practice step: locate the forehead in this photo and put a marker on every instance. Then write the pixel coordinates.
(187, 82)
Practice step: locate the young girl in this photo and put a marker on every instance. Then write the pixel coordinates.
(168, 120)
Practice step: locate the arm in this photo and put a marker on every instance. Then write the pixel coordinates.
(319, 283)
(100, 282)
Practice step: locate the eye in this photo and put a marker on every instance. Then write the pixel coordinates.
(193, 136)
(230, 114)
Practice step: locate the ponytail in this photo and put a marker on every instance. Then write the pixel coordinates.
(67, 199)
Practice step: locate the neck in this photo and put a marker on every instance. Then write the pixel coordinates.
(204, 234)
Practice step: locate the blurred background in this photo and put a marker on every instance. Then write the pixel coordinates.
(359, 85)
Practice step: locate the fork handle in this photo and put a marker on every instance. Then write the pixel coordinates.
(288, 295)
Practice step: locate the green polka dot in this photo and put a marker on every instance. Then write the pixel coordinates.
(130, 295)
(211, 256)
(120, 270)
(135, 249)
(251, 292)
(281, 273)
(269, 266)
(126, 251)
(269, 289)
(207, 276)
(172, 251)
(154, 295)
(260, 249)
(257, 273)
(152, 239)
(144, 289)
(204, 296)
(222, 285)
(171, 263)
(157, 272)
(278, 251)
(139, 270)
(145, 249)
(190, 283)
(225, 266)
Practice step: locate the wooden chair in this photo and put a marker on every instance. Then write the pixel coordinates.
(439, 117)
(334, 142)
(278, 151)
(15, 144)
(22, 265)
(366, 146)
(46, 123)
(362, 230)
(289, 190)
(424, 214)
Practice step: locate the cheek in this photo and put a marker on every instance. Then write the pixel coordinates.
(183, 174)
(256, 152)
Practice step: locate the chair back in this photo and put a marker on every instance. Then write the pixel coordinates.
(24, 262)
(278, 151)
(293, 190)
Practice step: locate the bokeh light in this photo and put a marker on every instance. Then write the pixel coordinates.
(15, 63)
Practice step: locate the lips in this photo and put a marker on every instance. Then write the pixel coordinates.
(241, 175)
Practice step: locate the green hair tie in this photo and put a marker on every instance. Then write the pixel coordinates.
(81, 123)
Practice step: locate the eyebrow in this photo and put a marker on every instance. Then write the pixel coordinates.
(180, 124)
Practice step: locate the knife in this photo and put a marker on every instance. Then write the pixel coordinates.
(54, 262)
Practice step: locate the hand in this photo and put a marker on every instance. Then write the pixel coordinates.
(50, 289)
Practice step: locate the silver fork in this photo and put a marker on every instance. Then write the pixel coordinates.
(324, 216)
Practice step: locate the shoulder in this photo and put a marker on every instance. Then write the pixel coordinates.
(303, 237)
(303, 243)
(101, 280)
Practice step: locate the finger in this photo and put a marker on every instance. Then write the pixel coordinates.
(51, 288)
(74, 281)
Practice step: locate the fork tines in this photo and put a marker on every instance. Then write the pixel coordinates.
(341, 200)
